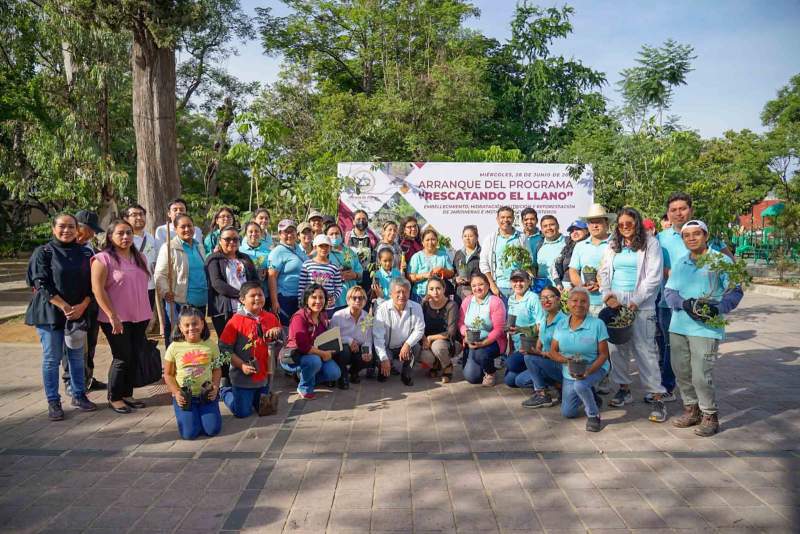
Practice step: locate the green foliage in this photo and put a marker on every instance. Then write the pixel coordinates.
(782, 116)
(624, 318)
(516, 257)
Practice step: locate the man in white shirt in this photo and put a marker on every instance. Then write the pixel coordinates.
(145, 243)
(397, 331)
(175, 208)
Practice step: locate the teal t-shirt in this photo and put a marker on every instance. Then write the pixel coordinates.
(501, 272)
(528, 310)
(583, 340)
(533, 243)
(672, 249)
(480, 310)
(691, 282)
(422, 263)
(346, 259)
(211, 241)
(548, 330)
(547, 255)
(624, 278)
(588, 254)
(259, 254)
(197, 291)
(385, 278)
(287, 262)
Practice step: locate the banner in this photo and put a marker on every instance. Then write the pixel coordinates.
(451, 195)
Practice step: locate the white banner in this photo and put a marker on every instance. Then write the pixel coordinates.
(451, 195)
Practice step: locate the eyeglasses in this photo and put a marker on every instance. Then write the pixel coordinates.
(626, 225)
(230, 239)
(547, 297)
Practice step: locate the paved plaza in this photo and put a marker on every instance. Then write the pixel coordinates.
(429, 458)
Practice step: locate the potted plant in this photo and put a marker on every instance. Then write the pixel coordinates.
(564, 299)
(577, 365)
(511, 320)
(444, 242)
(619, 322)
(462, 270)
(529, 335)
(589, 274)
(517, 257)
(186, 393)
(474, 330)
(731, 274)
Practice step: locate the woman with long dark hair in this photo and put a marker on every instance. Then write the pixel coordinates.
(223, 218)
(630, 275)
(410, 240)
(485, 313)
(119, 283)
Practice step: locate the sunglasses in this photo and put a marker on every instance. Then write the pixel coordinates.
(230, 239)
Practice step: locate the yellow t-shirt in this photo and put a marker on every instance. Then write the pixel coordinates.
(192, 359)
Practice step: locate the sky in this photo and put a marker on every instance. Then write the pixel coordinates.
(746, 50)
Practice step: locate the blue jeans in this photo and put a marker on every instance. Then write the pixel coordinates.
(201, 419)
(242, 402)
(53, 348)
(577, 392)
(662, 339)
(313, 370)
(479, 362)
(515, 366)
(288, 306)
(543, 371)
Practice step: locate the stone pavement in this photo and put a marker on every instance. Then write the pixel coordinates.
(430, 458)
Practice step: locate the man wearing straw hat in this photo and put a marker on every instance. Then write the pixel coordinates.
(589, 252)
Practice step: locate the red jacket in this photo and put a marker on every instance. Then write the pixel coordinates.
(240, 337)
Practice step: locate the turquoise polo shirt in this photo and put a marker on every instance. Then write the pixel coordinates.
(624, 277)
(587, 254)
(346, 258)
(672, 248)
(583, 340)
(547, 255)
(259, 254)
(533, 243)
(385, 278)
(421, 263)
(482, 311)
(691, 282)
(288, 263)
(501, 272)
(528, 310)
(547, 331)
(197, 291)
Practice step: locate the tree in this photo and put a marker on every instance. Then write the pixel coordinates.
(782, 116)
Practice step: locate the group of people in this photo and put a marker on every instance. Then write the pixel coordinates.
(398, 299)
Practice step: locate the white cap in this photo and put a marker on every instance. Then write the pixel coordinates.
(322, 239)
(695, 223)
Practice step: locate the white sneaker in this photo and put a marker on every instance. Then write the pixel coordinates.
(665, 397)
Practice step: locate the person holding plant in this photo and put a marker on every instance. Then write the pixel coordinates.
(355, 328)
(119, 283)
(493, 256)
(580, 344)
(429, 262)
(383, 276)
(347, 260)
(192, 374)
(261, 217)
(481, 323)
(439, 344)
(397, 332)
(363, 241)
(222, 219)
(549, 249)
(541, 370)
(577, 232)
(410, 240)
(320, 270)
(258, 251)
(59, 273)
(247, 337)
(524, 312)
(312, 365)
(227, 270)
(701, 289)
(630, 275)
(285, 263)
(389, 241)
(467, 261)
(587, 255)
(530, 220)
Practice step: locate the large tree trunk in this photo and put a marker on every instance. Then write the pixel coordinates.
(154, 124)
(224, 121)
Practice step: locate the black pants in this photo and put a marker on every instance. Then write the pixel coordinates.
(347, 357)
(219, 322)
(125, 350)
(88, 352)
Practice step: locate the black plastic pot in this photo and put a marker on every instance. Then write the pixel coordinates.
(577, 366)
(527, 343)
(463, 272)
(617, 336)
(473, 336)
(205, 391)
(365, 349)
(590, 278)
(186, 392)
(254, 364)
(511, 320)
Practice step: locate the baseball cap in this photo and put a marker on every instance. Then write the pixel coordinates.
(90, 219)
(519, 273)
(314, 214)
(695, 223)
(578, 225)
(286, 223)
(322, 239)
(302, 227)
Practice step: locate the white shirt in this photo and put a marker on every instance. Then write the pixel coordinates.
(161, 234)
(350, 329)
(150, 251)
(406, 327)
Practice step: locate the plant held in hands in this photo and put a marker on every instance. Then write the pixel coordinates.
(723, 277)
(624, 318)
(577, 366)
(474, 330)
(517, 257)
(186, 392)
(528, 338)
(589, 274)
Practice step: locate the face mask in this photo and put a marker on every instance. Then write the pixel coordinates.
(336, 241)
(361, 224)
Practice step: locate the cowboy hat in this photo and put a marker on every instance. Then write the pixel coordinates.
(597, 211)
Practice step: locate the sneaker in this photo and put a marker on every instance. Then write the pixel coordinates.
(96, 385)
(406, 378)
(83, 404)
(306, 396)
(708, 426)
(54, 411)
(488, 380)
(691, 417)
(604, 387)
(539, 400)
(659, 412)
(665, 397)
(593, 424)
(622, 397)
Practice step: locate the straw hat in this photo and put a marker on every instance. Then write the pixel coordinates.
(597, 211)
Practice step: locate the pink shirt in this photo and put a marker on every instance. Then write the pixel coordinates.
(126, 285)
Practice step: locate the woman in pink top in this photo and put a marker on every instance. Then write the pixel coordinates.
(485, 315)
(119, 284)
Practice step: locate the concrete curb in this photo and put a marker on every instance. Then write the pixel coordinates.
(791, 293)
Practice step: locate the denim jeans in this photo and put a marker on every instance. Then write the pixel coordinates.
(53, 348)
(479, 362)
(662, 339)
(313, 370)
(543, 371)
(201, 419)
(288, 306)
(242, 402)
(577, 392)
(515, 365)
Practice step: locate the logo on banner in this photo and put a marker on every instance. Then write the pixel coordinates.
(365, 181)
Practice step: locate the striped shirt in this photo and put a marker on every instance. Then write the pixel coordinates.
(327, 275)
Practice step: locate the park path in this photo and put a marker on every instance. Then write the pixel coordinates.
(430, 458)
